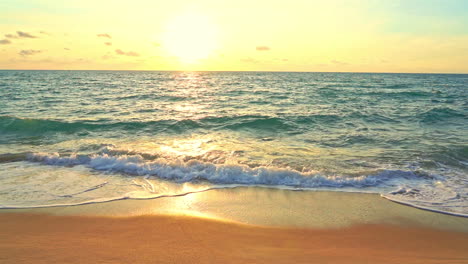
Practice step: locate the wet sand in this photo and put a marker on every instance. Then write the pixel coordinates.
(271, 207)
(34, 238)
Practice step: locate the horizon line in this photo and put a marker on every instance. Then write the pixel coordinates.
(441, 73)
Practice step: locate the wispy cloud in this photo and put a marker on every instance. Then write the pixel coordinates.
(337, 62)
(29, 52)
(20, 34)
(128, 53)
(4, 41)
(249, 60)
(262, 48)
(108, 43)
(104, 35)
(107, 56)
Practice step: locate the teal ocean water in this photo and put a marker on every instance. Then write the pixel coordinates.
(75, 137)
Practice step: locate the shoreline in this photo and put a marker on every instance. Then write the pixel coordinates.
(269, 207)
(110, 200)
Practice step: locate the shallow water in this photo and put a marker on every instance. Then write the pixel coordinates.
(72, 137)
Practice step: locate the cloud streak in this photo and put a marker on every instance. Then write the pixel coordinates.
(20, 34)
(107, 56)
(4, 41)
(29, 52)
(262, 48)
(337, 62)
(128, 53)
(108, 43)
(104, 35)
(249, 60)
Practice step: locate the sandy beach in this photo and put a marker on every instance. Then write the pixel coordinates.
(334, 228)
(26, 238)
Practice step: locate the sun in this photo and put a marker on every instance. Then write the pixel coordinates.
(190, 37)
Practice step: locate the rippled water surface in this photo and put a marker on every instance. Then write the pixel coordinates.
(71, 137)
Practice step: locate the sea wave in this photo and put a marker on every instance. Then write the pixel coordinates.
(196, 170)
(20, 127)
(411, 187)
(38, 127)
(440, 114)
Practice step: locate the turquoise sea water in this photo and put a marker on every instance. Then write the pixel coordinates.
(73, 137)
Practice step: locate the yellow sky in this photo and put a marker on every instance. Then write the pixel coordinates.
(313, 35)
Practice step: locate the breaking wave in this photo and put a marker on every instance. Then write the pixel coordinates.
(195, 171)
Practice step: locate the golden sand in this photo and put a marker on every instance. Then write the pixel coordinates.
(40, 238)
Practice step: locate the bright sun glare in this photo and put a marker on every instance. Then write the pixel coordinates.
(190, 37)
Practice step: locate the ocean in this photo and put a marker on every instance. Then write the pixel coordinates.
(78, 137)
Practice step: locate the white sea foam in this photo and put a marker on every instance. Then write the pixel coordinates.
(114, 175)
(437, 196)
(196, 171)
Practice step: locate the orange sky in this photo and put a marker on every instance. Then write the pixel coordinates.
(296, 35)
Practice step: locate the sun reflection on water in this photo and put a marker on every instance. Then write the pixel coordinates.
(188, 147)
